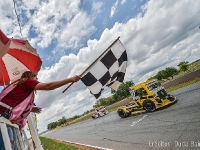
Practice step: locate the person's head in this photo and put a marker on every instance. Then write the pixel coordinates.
(26, 75)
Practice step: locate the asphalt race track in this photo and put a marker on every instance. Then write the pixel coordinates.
(174, 127)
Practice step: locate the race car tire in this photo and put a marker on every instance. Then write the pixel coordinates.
(149, 106)
(121, 113)
(99, 115)
(171, 98)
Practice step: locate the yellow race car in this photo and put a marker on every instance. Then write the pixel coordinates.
(147, 97)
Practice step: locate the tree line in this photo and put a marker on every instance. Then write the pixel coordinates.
(171, 71)
(124, 92)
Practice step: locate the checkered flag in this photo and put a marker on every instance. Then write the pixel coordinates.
(108, 70)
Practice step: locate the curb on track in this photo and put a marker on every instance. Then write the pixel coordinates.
(96, 147)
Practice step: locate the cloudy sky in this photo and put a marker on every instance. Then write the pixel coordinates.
(70, 34)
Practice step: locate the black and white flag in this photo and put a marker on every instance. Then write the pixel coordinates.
(108, 70)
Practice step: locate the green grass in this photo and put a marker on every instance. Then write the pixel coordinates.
(49, 144)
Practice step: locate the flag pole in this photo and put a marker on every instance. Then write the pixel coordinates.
(94, 62)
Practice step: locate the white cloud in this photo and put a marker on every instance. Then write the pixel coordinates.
(113, 9)
(8, 17)
(51, 19)
(29, 5)
(96, 7)
(72, 34)
(123, 1)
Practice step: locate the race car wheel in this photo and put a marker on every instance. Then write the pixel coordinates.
(171, 98)
(99, 115)
(121, 113)
(149, 106)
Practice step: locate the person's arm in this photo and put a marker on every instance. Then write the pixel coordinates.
(56, 84)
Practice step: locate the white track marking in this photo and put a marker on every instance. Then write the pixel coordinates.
(100, 148)
(135, 122)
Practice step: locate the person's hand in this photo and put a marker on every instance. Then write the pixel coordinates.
(36, 109)
(75, 78)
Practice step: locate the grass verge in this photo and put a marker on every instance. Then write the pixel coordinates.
(49, 144)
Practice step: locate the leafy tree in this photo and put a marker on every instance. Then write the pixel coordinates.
(151, 78)
(171, 72)
(183, 66)
(123, 91)
(165, 74)
(52, 125)
(104, 102)
(86, 112)
(161, 75)
(110, 100)
(61, 121)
